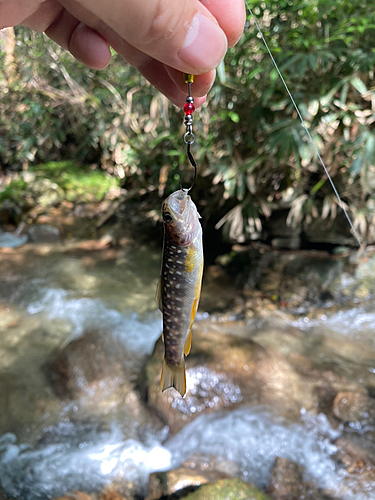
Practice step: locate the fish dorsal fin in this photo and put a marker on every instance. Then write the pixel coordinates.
(187, 345)
(158, 297)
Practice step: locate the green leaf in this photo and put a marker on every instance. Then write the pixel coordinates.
(356, 166)
(235, 117)
(370, 148)
(358, 85)
(344, 93)
(221, 73)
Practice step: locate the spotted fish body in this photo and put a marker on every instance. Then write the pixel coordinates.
(179, 286)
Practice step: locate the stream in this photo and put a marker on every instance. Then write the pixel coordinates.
(50, 445)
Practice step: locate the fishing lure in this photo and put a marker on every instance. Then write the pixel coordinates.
(179, 285)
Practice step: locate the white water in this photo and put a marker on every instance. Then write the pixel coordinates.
(252, 437)
(86, 314)
(53, 469)
(350, 323)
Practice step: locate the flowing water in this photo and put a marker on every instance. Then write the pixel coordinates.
(48, 446)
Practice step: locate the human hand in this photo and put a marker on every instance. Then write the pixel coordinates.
(161, 38)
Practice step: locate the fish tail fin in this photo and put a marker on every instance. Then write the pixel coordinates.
(174, 376)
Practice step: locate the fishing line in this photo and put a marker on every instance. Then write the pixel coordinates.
(355, 234)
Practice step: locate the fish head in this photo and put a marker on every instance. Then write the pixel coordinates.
(180, 217)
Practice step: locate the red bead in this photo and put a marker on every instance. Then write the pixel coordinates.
(189, 108)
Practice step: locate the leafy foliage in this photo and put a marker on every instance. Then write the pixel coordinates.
(254, 155)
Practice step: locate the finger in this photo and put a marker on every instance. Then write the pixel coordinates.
(89, 47)
(84, 43)
(182, 34)
(231, 16)
(154, 71)
(46, 13)
(13, 13)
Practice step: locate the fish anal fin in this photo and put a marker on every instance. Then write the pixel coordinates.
(187, 345)
(194, 311)
(174, 376)
(158, 297)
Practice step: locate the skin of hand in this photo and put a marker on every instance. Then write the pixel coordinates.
(161, 38)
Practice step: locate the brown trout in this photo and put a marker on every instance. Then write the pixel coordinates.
(179, 285)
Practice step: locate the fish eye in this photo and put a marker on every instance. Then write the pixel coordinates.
(167, 217)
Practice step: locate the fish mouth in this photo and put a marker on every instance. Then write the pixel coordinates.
(178, 202)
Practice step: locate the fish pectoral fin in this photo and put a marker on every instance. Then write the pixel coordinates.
(174, 376)
(158, 295)
(187, 345)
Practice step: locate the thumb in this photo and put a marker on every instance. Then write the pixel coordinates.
(181, 33)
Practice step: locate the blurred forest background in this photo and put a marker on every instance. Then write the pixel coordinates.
(94, 131)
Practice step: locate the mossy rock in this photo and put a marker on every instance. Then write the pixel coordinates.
(227, 489)
(79, 182)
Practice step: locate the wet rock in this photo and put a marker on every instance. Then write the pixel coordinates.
(301, 278)
(357, 454)
(210, 463)
(97, 372)
(87, 365)
(9, 317)
(352, 406)
(43, 233)
(227, 489)
(194, 472)
(350, 350)
(111, 493)
(12, 240)
(77, 495)
(287, 483)
(121, 489)
(181, 481)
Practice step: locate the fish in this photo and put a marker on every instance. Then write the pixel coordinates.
(179, 286)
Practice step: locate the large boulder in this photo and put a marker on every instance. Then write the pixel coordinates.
(90, 364)
(43, 233)
(99, 374)
(45, 192)
(227, 489)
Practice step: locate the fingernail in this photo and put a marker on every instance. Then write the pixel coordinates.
(205, 44)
